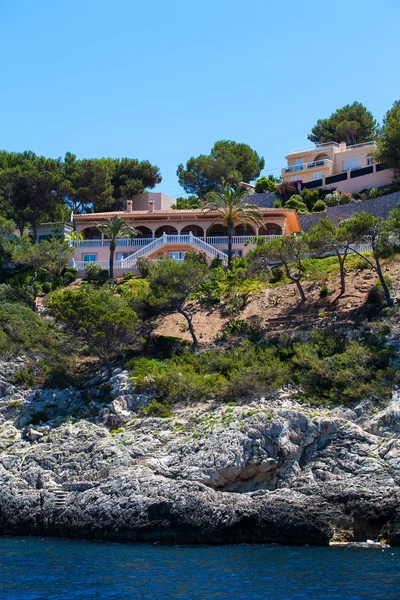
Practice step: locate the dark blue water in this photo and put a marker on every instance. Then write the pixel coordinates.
(50, 569)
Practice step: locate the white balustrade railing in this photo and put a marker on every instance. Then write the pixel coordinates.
(106, 243)
(236, 239)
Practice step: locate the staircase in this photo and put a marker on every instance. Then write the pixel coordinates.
(60, 495)
(194, 241)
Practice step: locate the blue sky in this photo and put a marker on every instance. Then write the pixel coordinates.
(163, 80)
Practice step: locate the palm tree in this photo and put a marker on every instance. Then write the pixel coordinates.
(114, 229)
(232, 209)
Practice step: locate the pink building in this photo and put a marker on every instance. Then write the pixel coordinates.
(167, 233)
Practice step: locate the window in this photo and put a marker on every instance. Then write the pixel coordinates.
(89, 257)
(370, 161)
(179, 256)
(295, 178)
(122, 255)
(351, 163)
(317, 175)
(299, 164)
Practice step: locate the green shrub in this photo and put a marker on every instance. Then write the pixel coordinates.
(39, 417)
(323, 291)
(95, 273)
(276, 275)
(373, 193)
(310, 197)
(333, 198)
(216, 262)
(127, 276)
(143, 264)
(319, 206)
(376, 294)
(265, 184)
(156, 409)
(197, 257)
(46, 287)
(296, 202)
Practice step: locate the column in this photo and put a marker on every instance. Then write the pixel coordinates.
(102, 239)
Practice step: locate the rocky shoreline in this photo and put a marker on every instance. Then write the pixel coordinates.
(272, 471)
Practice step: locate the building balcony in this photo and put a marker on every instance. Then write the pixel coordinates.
(324, 163)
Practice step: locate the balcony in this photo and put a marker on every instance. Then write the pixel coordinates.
(315, 164)
(315, 149)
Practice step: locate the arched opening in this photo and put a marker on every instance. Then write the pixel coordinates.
(195, 229)
(321, 157)
(217, 230)
(270, 229)
(168, 229)
(244, 230)
(90, 233)
(144, 232)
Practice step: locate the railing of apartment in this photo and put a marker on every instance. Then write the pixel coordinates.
(121, 242)
(236, 239)
(141, 242)
(326, 145)
(309, 165)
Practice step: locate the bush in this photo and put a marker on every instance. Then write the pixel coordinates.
(127, 276)
(276, 275)
(277, 204)
(93, 272)
(156, 409)
(264, 184)
(376, 295)
(216, 262)
(143, 264)
(323, 291)
(327, 367)
(373, 193)
(310, 197)
(196, 257)
(319, 206)
(297, 203)
(39, 417)
(346, 198)
(70, 275)
(46, 287)
(285, 190)
(333, 198)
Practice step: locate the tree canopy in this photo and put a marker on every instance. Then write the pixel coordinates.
(228, 163)
(388, 150)
(99, 318)
(352, 123)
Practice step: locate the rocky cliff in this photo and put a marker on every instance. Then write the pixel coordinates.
(270, 471)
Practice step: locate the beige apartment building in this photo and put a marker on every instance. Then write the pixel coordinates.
(347, 168)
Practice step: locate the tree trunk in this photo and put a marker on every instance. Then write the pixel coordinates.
(112, 250)
(34, 232)
(190, 325)
(296, 281)
(384, 285)
(341, 260)
(230, 234)
(108, 366)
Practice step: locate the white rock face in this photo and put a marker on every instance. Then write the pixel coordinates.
(270, 471)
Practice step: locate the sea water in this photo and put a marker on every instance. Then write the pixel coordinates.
(58, 569)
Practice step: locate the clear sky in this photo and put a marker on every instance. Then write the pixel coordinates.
(163, 80)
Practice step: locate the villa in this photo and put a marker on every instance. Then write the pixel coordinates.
(168, 233)
(346, 168)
